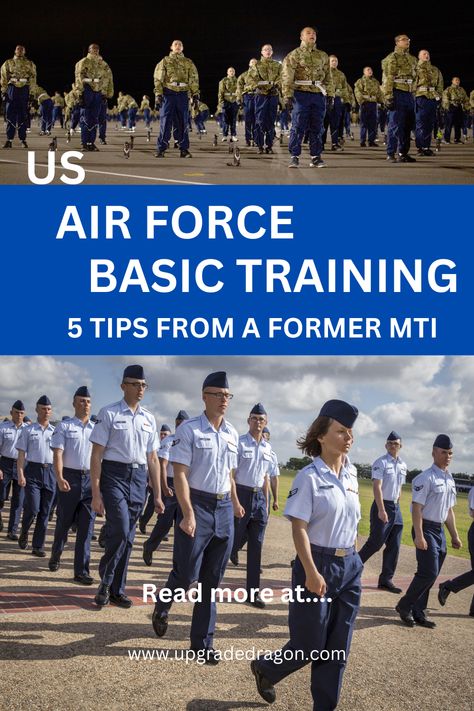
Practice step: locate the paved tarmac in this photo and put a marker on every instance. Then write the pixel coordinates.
(454, 164)
(58, 652)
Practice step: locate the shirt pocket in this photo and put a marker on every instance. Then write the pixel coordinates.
(202, 443)
(120, 426)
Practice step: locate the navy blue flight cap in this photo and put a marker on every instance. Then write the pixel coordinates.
(26, 419)
(94, 418)
(258, 409)
(341, 411)
(265, 430)
(393, 436)
(134, 371)
(216, 380)
(43, 400)
(443, 441)
(165, 428)
(18, 405)
(83, 391)
(182, 415)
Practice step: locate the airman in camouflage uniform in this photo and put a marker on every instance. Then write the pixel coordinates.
(429, 90)
(200, 115)
(45, 104)
(265, 80)
(228, 105)
(17, 78)
(58, 106)
(246, 97)
(145, 109)
(398, 85)
(73, 107)
(95, 82)
(368, 94)
(176, 81)
(340, 92)
(455, 102)
(307, 83)
(349, 105)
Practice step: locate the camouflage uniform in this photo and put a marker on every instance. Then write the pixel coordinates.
(349, 103)
(200, 116)
(145, 108)
(334, 117)
(94, 81)
(399, 84)
(246, 96)
(306, 78)
(368, 94)
(227, 104)
(176, 81)
(18, 78)
(73, 107)
(58, 106)
(429, 90)
(265, 80)
(455, 102)
(45, 104)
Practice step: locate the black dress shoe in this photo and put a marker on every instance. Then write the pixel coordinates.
(405, 617)
(147, 555)
(1, 523)
(389, 587)
(424, 622)
(264, 687)
(160, 623)
(210, 655)
(23, 541)
(101, 539)
(443, 593)
(258, 602)
(120, 601)
(12, 536)
(103, 595)
(83, 579)
(53, 564)
(234, 558)
(166, 538)
(38, 552)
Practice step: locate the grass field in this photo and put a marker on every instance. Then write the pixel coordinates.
(463, 520)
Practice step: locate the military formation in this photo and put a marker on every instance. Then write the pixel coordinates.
(307, 90)
(211, 489)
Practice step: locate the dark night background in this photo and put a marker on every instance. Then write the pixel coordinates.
(135, 37)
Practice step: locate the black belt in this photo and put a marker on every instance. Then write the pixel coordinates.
(131, 465)
(210, 496)
(339, 552)
(436, 524)
(82, 472)
(38, 464)
(253, 489)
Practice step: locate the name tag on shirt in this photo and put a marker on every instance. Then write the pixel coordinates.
(328, 486)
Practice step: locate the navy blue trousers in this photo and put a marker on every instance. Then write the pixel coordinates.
(230, 111)
(46, 112)
(92, 101)
(390, 534)
(429, 566)
(466, 579)
(75, 116)
(174, 115)
(335, 119)
(308, 115)
(401, 121)
(425, 120)
(75, 507)
(453, 119)
(382, 118)
(164, 521)
(16, 111)
(200, 120)
(123, 491)
(249, 116)
(202, 558)
(266, 107)
(58, 115)
(10, 478)
(368, 121)
(132, 113)
(149, 509)
(147, 117)
(103, 119)
(318, 626)
(40, 491)
(251, 529)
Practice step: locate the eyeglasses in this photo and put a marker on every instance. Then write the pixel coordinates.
(220, 396)
(136, 385)
(257, 419)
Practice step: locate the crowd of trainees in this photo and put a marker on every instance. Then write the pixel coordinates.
(211, 484)
(308, 86)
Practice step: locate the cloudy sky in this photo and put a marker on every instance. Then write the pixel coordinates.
(419, 397)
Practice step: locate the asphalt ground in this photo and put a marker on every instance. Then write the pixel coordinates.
(213, 165)
(59, 652)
